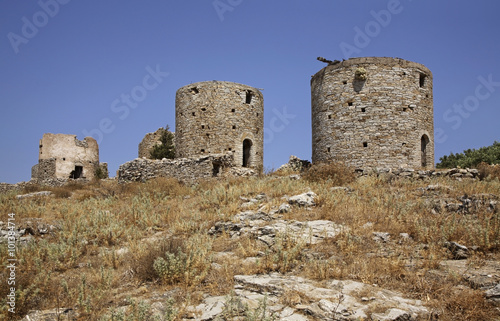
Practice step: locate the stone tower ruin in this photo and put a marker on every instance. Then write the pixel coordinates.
(65, 157)
(215, 117)
(373, 112)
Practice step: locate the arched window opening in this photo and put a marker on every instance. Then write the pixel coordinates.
(247, 148)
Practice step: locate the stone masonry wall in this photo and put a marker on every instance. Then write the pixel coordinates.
(184, 169)
(218, 117)
(68, 153)
(373, 112)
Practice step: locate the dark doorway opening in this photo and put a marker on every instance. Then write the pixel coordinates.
(247, 147)
(424, 141)
(77, 172)
(215, 169)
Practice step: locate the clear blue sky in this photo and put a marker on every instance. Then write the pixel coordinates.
(66, 66)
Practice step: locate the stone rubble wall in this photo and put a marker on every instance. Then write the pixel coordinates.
(373, 112)
(184, 169)
(214, 117)
(456, 173)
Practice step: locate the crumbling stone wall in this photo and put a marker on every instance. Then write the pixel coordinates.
(64, 156)
(373, 112)
(184, 169)
(218, 117)
(149, 141)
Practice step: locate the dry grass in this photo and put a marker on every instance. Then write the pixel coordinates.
(163, 225)
(338, 173)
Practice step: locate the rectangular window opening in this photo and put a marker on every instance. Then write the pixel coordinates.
(422, 80)
(248, 98)
(329, 116)
(365, 144)
(203, 109)
(349, 103)
(194, 114)
(363, 110)
(234, 126)
(328, 149)
(233, 110)
(202, 150)
(345, 82)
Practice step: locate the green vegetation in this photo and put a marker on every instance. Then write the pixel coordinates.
(472, 157)
(167, 148)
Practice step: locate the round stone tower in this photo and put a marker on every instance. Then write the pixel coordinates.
(214, 117)
(373, 112)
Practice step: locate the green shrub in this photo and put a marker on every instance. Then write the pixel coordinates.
(167, 148)
(189, 264)
(472, 157)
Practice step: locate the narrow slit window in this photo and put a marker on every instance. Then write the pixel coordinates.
(328, 149)
(422, 80)
(329, 116)
(202, 126)
(365, 144)
(248, 98)
(234, 126)
(194, 114)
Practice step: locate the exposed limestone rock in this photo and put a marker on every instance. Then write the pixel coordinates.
(31, 195)
(304, 199)
(335, 300)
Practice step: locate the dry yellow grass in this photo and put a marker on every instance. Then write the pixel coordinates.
(83, 265)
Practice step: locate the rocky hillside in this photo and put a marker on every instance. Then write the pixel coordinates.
(321, 245)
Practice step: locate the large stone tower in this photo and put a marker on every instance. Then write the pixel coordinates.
(214, 117)
(373, 112)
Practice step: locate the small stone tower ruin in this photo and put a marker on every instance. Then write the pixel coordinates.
(373, 112)
(149, 141)
(64, 156)
(215, 117)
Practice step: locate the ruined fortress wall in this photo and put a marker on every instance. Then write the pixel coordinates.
(60, 155)
(218, 117)
(148, 142)
(373, 112)
(184, 169)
